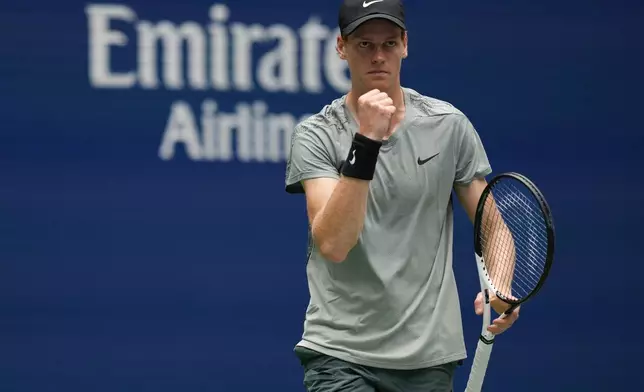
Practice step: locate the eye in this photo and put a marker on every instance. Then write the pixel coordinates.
(363, 44)
(391, 43)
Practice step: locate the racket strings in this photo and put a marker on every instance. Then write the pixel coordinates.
(514, 278)
(527, 243)
(514, 239)
(514, 270)
(500, 262)
(519, 220)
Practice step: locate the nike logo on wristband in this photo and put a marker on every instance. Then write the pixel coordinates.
(353, 157)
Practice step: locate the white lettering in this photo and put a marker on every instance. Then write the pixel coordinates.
(280, 127)
(259, 133)
(243, 39)
(239, 122)
(220, 56)
(313, 32)
(210, 145)
(100, 40)
(282, 60)
(172, 38)
(250, 133)
(219, 47)
(181, 128)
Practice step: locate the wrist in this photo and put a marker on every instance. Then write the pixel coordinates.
(369, 136)
(362, 158)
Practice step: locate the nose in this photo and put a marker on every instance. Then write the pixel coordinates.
(378, 56)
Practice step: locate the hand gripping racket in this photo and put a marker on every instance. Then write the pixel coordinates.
(514, 242)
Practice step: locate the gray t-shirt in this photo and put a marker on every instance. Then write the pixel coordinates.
(393, 303)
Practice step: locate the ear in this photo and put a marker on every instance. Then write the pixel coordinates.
(405, 46)
(341, 48)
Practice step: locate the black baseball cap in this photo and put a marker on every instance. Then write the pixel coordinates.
(353, 13)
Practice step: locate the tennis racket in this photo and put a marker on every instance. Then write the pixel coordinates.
(514, 243)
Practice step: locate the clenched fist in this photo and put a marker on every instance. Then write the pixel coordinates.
(375, 110)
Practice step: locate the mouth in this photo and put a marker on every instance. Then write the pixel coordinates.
(378, 73)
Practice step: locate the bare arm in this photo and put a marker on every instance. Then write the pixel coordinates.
(469, 195)
(336, 210)
(500, 260)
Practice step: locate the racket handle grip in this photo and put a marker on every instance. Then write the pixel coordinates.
(479, 366)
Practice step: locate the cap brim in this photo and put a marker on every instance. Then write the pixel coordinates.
(350, 28)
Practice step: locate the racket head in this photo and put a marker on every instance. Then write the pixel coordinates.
(528, 219)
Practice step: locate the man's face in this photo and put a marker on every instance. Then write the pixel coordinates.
(374, 52)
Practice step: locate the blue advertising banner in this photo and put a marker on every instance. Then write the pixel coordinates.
(147, 242)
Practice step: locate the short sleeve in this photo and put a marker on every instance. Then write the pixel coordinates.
(310, 156)
(471, 158)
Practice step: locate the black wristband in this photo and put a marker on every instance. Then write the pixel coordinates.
(362, 158)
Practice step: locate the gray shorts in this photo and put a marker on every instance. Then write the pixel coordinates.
(323, 373)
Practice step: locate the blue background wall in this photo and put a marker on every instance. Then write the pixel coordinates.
(123, 271)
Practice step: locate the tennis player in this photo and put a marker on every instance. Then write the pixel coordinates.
(378, 166)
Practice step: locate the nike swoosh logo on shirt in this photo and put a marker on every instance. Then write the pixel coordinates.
(424, 161)
(366, 4)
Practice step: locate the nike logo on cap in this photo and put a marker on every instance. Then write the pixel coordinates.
(366, 4)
